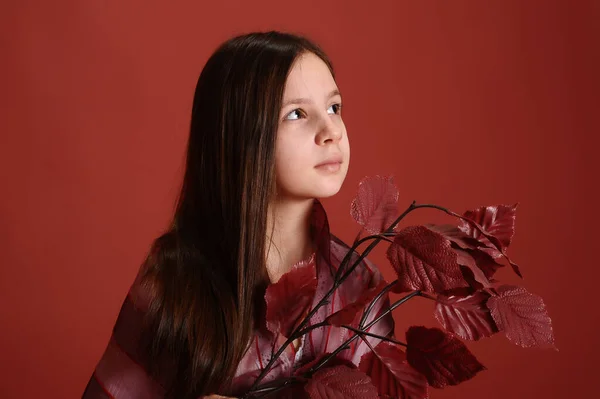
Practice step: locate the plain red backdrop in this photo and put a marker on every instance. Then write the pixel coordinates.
(467, 103)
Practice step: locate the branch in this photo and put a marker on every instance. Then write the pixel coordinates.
(363, 332)
(367, 311)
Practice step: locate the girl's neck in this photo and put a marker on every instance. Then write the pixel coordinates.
(288, 235)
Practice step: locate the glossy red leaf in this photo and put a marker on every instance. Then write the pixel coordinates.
(471, 252)
(376, 204)
(498, 221)
(289, 298)
(493, 226)
(441, 357)
(424, 260)
(463, 291)
(469, 255)
(456, 236)
(467, 317)
(476, 277)
(351, 313)
(341, 382)
(391, 373)
(486, 263)
(522, 316)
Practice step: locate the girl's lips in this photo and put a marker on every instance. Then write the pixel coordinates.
(329, 166)
(336, 159)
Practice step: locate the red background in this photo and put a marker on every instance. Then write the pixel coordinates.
(467, 103)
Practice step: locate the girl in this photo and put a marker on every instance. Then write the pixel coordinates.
(266, 140)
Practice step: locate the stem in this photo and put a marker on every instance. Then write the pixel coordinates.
(273, 387)
(313, 327)
(366, 341)
(376, 237)
(441, 208)
(362, 332)
(365, 315)
(426, 295)
(393, 306)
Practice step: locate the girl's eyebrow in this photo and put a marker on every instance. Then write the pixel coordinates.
(334, 92)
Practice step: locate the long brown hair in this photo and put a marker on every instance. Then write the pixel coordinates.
(207, 273)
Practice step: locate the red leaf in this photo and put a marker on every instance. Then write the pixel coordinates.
(468, 251)
(340, 382)
(494, 227)
(471, 252)
(351, 313)
(424, 260)
(522, 316)
(456, 235)
(476, 277)
(468, 317)
(391, 373)
(486, 263)
(498, 221)
(442, 358)
(463, 291)
(376, 204)
(290, 297)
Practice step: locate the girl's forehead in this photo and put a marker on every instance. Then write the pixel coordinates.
(309, 74)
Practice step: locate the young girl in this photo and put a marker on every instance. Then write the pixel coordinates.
(266, 140)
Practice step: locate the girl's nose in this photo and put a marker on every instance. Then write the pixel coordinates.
(330, 132)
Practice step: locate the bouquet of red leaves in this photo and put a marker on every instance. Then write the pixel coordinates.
(452, 265)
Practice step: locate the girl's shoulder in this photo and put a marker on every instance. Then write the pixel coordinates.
(122, 371)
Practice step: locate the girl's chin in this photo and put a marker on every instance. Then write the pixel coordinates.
(327, 190)
(329, 186)
(321, 187)
(321, 192)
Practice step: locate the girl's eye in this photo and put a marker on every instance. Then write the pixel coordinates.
(334, 109)
(295, 114)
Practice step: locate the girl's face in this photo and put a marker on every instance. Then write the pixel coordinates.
(312, 152)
